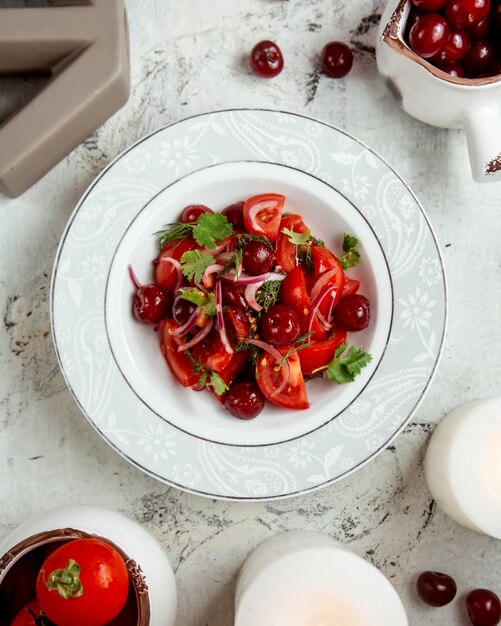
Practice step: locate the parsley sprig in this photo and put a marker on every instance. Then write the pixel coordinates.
(344, 369)
(351, 256)
(208, 378)
(207, 302)
(208, 230)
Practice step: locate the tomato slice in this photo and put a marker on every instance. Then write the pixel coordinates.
(214, 357)
(179, 363)
(294, 293)
(262, 214)
(350, 286)
(285, 251)
(320, 353)
(165, 272)
(293, 396)
(324, 261)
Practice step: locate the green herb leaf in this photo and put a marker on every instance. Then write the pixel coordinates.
(299, 344)
(298, 239)
(194, 263)
(253, 351)
(171, 232)
(217, 384)
(211, 228)
(234, 262)
(317, 242)
(268, 293)
(351, 256)
(207, 302)
(344, 369)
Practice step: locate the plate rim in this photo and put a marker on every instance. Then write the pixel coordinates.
(306, 489)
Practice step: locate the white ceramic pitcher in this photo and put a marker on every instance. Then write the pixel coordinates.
(437, 98)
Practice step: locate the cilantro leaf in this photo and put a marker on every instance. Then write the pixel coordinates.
(194, 263)
(207, 302)
(267, 294)
(344, 369)
(351, 256)
(299, 239)
(217, 383)
(211, 228)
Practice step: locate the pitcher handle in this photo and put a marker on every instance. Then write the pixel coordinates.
(483, 133)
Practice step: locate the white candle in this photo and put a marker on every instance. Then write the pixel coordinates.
(307, 579)
(463, 465)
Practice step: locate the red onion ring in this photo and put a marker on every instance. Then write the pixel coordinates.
(220, 318)
(188, 325)
(207, 280)
(321, 282)
(316, 303)
(250, 296)
(278, 356)
(198, 337)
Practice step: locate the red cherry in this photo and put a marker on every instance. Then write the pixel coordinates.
(244, 400)
(234, 213)
(454, 49)
(150, 303)
(336, 59)
(193, 212)
(496, 13)
(233, 295)
(453, 69)
(428, 35)
(480, 58)
(266, 59)
(280, 325)
(257, 258)
(466, 14)
(353, 312)
(484, 607)
(237, 324)
(482, 29)
(436, 589)
(430, 6)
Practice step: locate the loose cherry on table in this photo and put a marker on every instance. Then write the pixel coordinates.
(435, 588)
(336, 59)
(266, 59)
(484, 607)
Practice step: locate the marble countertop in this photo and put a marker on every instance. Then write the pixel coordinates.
(189, 57)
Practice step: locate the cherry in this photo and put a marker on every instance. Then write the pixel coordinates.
(436, 589)
(336, 59)
(182, 310)
(235, 215)
(484, 607)
(237, 324)
(430, 6)
(266, 59)
(280, 325)
(257, 258)
(233, 296)
(496, 13)
(466, 14)
(244, 400)
(193, 212)
(454, 49)
(150, 303)
(482, 29)
(480, 58)
(453, 69)
(353, 312)
(429, 35)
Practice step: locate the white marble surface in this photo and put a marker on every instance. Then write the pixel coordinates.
(189, 57)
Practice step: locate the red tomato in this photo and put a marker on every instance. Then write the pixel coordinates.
(285, 251)
(101, 575)
(324, 260)
(262, 214)
(215, 358)
(350, 286)
(293, 396)
(178, 362)
(165, 272)
(25, 617)
(320, 353)
(294, 293)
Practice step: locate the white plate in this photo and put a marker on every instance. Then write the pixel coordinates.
(114, 367)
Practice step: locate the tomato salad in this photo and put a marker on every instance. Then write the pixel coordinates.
(249, 304)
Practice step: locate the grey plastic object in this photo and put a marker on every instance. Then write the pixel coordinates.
(83, 46)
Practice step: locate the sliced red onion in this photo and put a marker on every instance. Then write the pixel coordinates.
(321, 282)
(203, 332)
(224, 257)
(278, 356)
(330, 306)
(202, 288)
(207, 280)
(316, 303)
(177, 265)
(250, 296)
(186, 327)
(220, 318)
(325, 324)
(218, 249)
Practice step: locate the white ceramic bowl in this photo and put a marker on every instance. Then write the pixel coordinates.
(152, 597)
(136, 349)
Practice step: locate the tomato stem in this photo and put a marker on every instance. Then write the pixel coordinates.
(66, 581)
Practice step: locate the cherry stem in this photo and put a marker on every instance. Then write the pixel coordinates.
(66, 581)
(133, 277)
